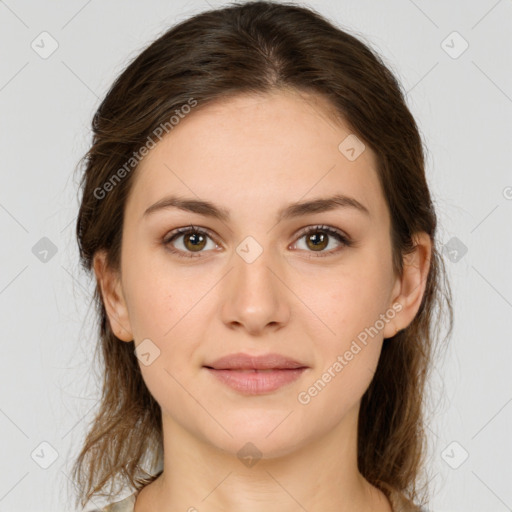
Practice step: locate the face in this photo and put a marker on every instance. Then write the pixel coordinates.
(314, 285)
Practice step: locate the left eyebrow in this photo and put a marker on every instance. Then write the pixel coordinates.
(321, 205)
(290, 211)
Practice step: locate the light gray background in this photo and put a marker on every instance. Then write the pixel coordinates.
(463, 106)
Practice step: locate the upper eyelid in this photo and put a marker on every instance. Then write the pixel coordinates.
(186, 229)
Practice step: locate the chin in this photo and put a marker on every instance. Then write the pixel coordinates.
(260, 436)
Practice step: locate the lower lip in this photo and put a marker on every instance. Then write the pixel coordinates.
(256, 383)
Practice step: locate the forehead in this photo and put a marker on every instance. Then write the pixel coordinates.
(258, 152)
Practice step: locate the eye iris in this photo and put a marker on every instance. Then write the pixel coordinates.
(319, 241)
(197, 237)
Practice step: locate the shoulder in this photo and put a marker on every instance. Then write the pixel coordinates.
(125, 505)
(400, 503)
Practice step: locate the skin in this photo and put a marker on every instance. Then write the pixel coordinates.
(243, 154)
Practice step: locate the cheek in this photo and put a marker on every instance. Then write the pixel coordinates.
(163, 308)
(353, 310)
(150, 304)
(356, 298)
(157, 296)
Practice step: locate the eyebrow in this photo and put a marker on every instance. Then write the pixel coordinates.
(290, 211)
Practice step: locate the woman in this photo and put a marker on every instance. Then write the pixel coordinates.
(257, 217)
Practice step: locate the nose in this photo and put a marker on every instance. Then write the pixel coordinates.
(256, 295)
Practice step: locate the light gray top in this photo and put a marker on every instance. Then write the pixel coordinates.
(125, 505)
(128, 504)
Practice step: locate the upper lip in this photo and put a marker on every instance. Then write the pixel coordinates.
(241, 361)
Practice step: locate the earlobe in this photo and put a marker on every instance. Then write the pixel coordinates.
(113, 298)
(411, 284)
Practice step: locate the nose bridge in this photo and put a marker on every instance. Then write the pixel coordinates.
(252, 272)
(256, 296)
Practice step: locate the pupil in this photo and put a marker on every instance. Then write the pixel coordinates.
(318, 239)
(197, 243)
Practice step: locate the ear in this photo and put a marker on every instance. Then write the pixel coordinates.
(113, 298)
(410, 286)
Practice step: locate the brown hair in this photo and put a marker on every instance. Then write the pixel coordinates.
(259, 47)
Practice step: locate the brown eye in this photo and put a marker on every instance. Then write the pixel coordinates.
(194, 241)
(317, 238)
(317, 241)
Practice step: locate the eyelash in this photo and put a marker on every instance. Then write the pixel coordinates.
(338, 235)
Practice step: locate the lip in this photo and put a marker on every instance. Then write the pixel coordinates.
(256, 375)
(257, 382)
(241, 361)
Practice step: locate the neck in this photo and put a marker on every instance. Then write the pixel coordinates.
(321, 475)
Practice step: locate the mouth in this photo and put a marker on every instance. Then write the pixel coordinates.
(257, 382)
(250, 370)
(256, 375)
(241, 361)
